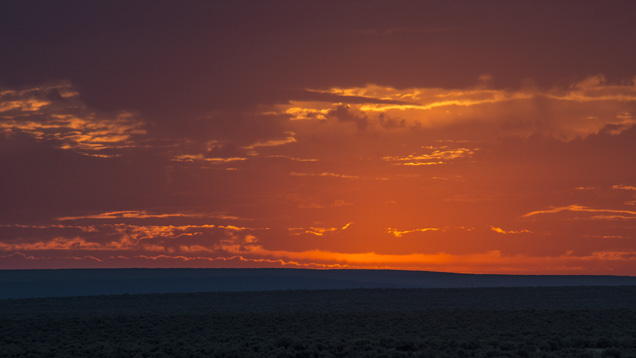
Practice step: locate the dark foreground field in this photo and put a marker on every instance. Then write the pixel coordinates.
(471, 322)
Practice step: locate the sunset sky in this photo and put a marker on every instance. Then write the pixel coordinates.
(461, 136)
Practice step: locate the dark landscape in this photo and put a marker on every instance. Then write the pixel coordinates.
(560, 321)
(83, 282)
(317, 178)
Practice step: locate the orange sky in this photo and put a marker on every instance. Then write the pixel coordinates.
(495, 137)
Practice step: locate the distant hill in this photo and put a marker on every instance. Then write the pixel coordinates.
(88, 282)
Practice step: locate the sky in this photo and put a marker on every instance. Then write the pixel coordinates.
(460, 136)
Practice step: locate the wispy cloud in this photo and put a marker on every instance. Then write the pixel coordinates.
(437, 155)
(608, 236)
(295, 159)
(68, 121)
(624, 187)
(493, 258)
(398, 233)
(317, 231)
(273, 142)
(483, 262)
(334, 204)
(609, 213)
(85, 228)
(135, 214)
(502, 231)
(58, 243)
(202, 158)
(579, 110)
(136, 238)
(333, 175)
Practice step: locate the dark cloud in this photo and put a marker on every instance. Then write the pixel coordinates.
(165, 58)
(343, 113)
(314, 96)
(390, 123)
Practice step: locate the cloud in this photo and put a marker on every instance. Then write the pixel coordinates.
(345, 113)
(585, 108)
(398, 233)
(55, 113)
(58, 243)
(333, 175)
(317, 231)
(613, 214)
(489, 261)
(126, 238)
(325, 174)
(135, 214)
(193, 158)
(502, 231)
(273, 142)
(624, 187)
(484, 262)
(18, 260)
(217, 246)
(299, 113)
(88, 228)
(608, 236)
(438, 155)
(595, 88)
(291, 158)
(334, 204)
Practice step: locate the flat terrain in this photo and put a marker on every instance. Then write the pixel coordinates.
(82, 282)
(471, 322)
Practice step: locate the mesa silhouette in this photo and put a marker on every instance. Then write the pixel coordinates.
(86, 282)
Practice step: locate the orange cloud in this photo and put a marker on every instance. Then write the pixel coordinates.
(579, 208)
(68, 121)
(476, 262)
(318, 231)
(124, 237)
(291, 158)
(25, 105)
(582, 109)
(333, 175)
(438, 155)
(624, 187)
(607, 236)
(502, 231)
(485, 262)
(273, 142)
(89, 228)
(398, 233)
(201, 158)
(324, 174)
(59, 243)
(334, 204)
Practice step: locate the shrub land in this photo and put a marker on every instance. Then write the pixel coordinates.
(498, 322)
